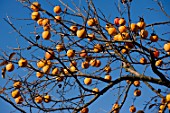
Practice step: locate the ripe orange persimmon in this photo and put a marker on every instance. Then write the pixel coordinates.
(87, 81)
(85, 64)
(35, 16)
(73, 69)
(10, 67)
(158, 62)
(73, 28)
(112, 30)
(124, 51)
(108, 77)
(19, 100)
(17, 84)
(81, 33)
(91, 37)
(35, 6)
(49, 54)
(39, 74)
(154, 37)
(122, 21)
(39, 21)
(122, 29)
(143, 61)
(116, 21)
(46, 35)
(84, 110)
(167, 47)
(137, 92)
(93, 62)
(96, 90)
(168, 97)
(97, 48)
(73, 63)
(91, 22)
(132, 109)
(46, 69)
(107, 69)
(15, 93)
(60, 47)
(22, 62)
(136, 83)
(115, 107)
(38, 99)
(41, 63)
(83, 53)
(45, 22)
(47, 98)
(60, 78)
(133, 27)
(98, 63)
(55, 71)
(141, 24)
(143, 33)
(57, 9)
(57, 18)
(156, 53)
(71, 53)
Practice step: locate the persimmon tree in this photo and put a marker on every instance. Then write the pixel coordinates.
(74, 55)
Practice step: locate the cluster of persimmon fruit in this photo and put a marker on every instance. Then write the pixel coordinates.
(119, 31)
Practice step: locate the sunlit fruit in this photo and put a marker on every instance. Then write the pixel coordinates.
(45, 22)
(98, 63)
(158, 62)
(46, 69)
(91, 37)
(136, 83)
(125, 35)
(156, 53)
(41, 63)
(35, 16)
(107, 69)
(81, 33)
(39, 22)
(163, 100)
(154, 37)
(143, 33)
(71, 53)
(91, 22)
(49, 54)
(39, 74)
(124, 51)
(57, 18)
(19, 100)
(108, 77)
(118, 37)
(57, 9)
(133, 27)
(22, 62)
(65, 71)
(108, 26)
(46, 35)
(35, 6)
(46, 28)
(168, 97)
(60, 47)
(96, 90)
(122, 29)
(115, 107)
(122, 21)
(168, 105)
(17, 84)
(143, 61)
(161, 107)
(55, 71)
(132, 109)
(167, 47)
(116, 21)
(137, 92)
(85, 64)
(84, 110)
(141, 24)
(38, 99)
(60, 78)
(87, 81)
(98, 48)
(47, 98)
(83, 53)
(10, 67)
(73, 63)
(15, 93)
(112, 30)
(73, 69)
(73, 28)
(93, 62)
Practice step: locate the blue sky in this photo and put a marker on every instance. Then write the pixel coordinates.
(9, 39)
